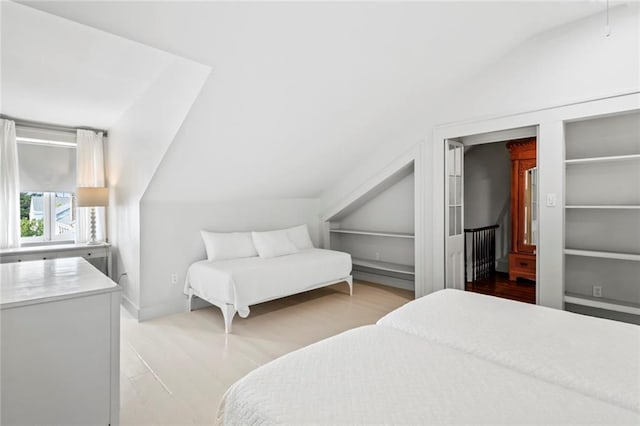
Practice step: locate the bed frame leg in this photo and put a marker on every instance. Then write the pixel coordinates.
(190, 297)
(228, 312)
(350, 282)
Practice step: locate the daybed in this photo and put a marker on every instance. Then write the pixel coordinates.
(249, 268)
(452, 358)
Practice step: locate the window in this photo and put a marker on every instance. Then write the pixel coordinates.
(47, 184)
(47, 216)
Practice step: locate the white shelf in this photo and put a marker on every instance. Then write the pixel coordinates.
(604, 159)
(603, 254)
(372, 233)
(605, 206)
(597, 302)
(385, 266)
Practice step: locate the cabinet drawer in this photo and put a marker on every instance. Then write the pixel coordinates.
(10, 258)
(87, 253)
(27, 257)
(523, 262)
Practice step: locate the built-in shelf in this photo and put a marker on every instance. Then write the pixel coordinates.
(373, 233)
(605, 206)
(603, 180)
(385, 266)
(598, 302)
(604, 159)
(603, 254)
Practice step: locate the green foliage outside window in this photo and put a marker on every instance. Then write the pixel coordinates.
(25, 205)
(31, 228)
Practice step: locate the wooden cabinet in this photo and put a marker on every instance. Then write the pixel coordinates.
(522, 258)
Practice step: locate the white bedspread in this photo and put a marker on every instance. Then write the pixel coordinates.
(379, 375)
(247, 281)
(596, 357)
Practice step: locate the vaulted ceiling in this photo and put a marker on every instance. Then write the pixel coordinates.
(300, 92)
(61, 72)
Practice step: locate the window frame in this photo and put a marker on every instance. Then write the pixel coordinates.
(49, 212)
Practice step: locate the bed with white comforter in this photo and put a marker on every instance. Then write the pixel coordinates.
(453, 358)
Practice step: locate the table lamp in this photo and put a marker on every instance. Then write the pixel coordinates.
(92, 197)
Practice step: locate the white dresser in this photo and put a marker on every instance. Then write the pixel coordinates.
(60, 343)
(99, 255)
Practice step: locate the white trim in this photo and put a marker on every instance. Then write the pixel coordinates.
(569, 103)
(114, 360)
(511, 134)
(161, 309)
(399, 163)
(131, 307)
(386, 280)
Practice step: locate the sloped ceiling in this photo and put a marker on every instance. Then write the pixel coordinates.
(301, 92)
(58, 71)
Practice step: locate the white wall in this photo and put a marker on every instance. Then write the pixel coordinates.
(487, 183)
(137, 143)
(391, 211)
(170, 239)
(566, 65)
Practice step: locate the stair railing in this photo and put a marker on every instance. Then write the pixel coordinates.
(481, 242)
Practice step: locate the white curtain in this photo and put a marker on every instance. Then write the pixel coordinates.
(9, 186)
(89, 172)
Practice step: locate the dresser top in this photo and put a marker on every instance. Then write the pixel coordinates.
(41, 281)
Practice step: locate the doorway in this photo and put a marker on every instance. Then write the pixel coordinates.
(491, 213)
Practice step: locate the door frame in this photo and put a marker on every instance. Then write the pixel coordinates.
(550, 153)
(508, 135)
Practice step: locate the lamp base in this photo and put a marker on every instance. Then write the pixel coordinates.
(92, 240)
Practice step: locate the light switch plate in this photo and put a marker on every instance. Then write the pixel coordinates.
(551, 200)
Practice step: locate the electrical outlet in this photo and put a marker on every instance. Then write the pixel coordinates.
(174, 278)
(597, 291)
(377, 256)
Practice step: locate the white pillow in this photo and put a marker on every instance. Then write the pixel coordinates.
(273, 243)
(228, 245)
(299, 236)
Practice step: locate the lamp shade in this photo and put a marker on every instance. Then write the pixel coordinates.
(92, 197)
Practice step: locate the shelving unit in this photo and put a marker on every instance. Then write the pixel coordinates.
(385, 266)
(377, 229)
(602, 220)
(606, 159)
(600, 303)
(604, 206)
(372, 233)
(603, 254)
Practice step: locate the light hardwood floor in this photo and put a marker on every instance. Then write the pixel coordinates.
(175, 369)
